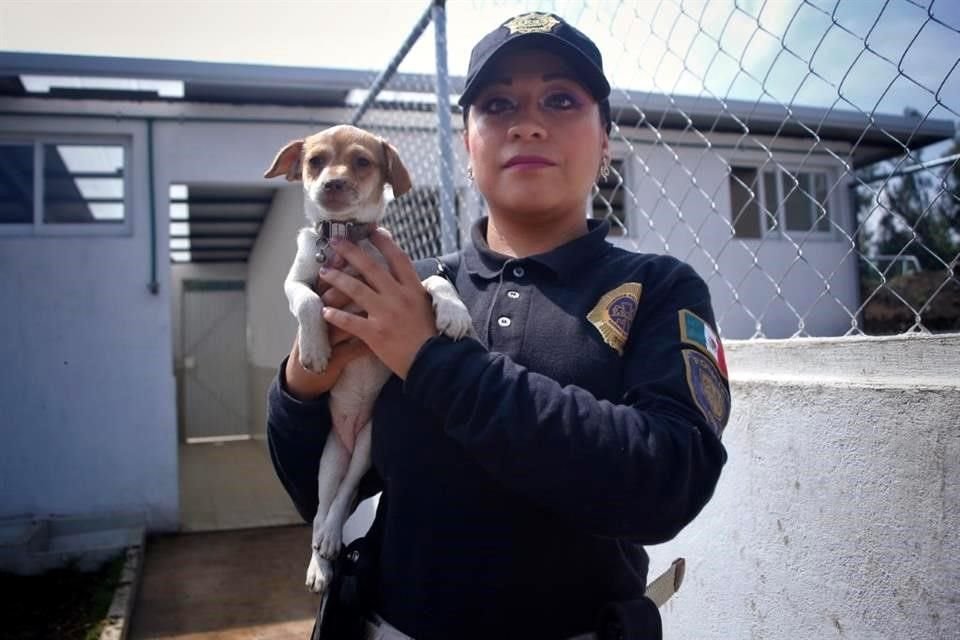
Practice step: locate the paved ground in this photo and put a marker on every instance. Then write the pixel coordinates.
(231, 485)
(228, 585)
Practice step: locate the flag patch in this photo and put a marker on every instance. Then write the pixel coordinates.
(614, 314)
(707, 389)
(695, 331)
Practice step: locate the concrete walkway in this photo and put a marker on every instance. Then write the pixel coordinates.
(227, 585)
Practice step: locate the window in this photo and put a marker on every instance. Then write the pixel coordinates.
(63, 184)
(607, 201)
(16, 184)
(772, 200)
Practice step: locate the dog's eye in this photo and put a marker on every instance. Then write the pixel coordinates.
(317, 162)
(362, 162)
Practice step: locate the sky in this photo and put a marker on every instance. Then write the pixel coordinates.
(868, 55)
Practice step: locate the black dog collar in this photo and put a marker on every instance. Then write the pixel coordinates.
(327, 230)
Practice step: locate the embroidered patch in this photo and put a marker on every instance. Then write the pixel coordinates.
(532, 23)
(613, 315)
(707, 389)
(695, 330)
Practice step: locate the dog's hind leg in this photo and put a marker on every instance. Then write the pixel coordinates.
(333, 465)
(340, 509)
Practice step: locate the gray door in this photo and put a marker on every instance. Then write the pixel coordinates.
(214, 360)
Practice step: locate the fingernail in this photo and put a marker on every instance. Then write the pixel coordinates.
(323, 270)
(335, 241)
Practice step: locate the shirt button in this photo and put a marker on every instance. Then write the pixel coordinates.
(518, 271)
(503, 321)
(513, 294)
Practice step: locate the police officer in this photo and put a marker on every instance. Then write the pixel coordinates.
(522, 470)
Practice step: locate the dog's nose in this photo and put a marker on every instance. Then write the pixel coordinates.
(334, 185)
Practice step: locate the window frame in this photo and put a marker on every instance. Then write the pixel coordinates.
(40, 228)
(832, 204)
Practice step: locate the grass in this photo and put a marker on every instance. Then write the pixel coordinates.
(66, 603)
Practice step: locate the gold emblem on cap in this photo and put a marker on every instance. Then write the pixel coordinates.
(532, 23)
(614, 314)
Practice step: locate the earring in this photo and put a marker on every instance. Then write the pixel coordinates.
(470, 174)
(605, 169)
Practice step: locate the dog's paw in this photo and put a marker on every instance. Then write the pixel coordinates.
(315, 361)
(328, 541)
(453, 319)
(314, 353)
(319, 573)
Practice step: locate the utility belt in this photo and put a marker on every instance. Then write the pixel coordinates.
(376, 628)
(342, 614)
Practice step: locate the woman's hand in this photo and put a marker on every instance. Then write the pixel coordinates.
(399, 314)
(304, 384)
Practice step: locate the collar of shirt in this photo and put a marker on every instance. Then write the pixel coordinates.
(563, 261)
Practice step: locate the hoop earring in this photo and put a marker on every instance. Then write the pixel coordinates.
(604, 169)
(470, 174)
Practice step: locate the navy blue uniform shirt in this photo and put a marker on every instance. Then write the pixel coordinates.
(523, 470)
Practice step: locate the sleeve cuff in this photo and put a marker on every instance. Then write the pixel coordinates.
(295, 411)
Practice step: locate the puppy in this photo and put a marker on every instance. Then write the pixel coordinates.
(344, 171)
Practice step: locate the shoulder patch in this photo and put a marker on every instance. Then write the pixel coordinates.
(614, 314)
(707, 389)
(695, 331)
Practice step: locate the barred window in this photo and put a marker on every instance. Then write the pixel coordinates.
(414, 221)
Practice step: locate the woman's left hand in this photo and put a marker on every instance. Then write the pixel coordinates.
(399, 314)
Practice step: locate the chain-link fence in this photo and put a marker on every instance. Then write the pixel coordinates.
(800, 154)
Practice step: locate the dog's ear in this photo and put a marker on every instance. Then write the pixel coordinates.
(397, 174)
(288, 162)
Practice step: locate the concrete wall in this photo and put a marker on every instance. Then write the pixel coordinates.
(837, 513)
(88, 390)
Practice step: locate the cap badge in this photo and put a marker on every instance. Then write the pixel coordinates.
(532, 23)
(613, 315)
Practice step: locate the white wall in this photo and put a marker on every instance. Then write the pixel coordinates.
(270, 324)
(89, 418)
(837, 513)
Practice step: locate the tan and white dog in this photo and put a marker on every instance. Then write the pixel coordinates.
(344, 171)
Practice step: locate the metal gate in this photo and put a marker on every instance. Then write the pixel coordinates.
(215, 404)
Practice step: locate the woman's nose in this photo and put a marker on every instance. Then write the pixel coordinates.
(526, 126)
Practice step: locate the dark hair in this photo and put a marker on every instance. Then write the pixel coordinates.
(603, 106)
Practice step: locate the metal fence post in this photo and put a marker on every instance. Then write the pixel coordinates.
(448, 218)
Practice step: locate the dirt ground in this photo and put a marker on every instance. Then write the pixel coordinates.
(228, 585)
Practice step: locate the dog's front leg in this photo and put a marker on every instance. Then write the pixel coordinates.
(306, 305)
(453, 319)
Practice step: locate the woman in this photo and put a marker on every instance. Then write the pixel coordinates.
(521, 471)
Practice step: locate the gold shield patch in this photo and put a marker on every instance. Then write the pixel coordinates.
(614, 314)
(707, 389)
(532, 23)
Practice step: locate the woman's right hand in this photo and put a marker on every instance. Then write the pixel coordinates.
(304, 384)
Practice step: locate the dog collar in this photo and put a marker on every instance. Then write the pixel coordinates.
(327, 230)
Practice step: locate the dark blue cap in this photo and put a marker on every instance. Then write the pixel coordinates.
(543, 31)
